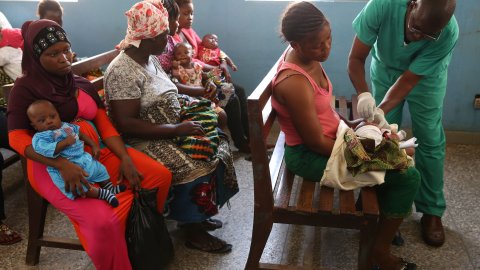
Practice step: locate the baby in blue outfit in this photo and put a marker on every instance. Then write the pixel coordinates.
(55, 138)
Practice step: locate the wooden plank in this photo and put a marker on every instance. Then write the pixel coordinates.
(60, 242)
(347, 202)
(354, 107)
(276, 159)
(325, 203)
(342, 107)
(369, 201)
(98, 83)
(305, 197)
(268, 117)
(91, 63)
(284, 190)
(259, 93)
(11, 160)
(271, 266)
(15, 157)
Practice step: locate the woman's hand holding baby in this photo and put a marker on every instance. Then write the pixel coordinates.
(73, 176)
(226, 72)
(189, 128)
(210, 91)
(95, 151)
(129, 171)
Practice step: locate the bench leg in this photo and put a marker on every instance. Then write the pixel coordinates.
(367, 236)
(262, 226)
(37, 210)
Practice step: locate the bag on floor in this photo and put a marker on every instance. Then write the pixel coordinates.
(148, 241)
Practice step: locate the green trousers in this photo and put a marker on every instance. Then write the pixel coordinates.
(425, 104)
(395, 195)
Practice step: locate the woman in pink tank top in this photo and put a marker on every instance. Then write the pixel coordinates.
(301, 97)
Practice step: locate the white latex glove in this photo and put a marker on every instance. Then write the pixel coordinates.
(394, 128)
(366, 106)
(409, 143)
(379, 119)
(401, 135)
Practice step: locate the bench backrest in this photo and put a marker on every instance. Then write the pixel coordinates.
(82, 67)
(94, 62)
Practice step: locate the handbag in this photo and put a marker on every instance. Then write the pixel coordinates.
(148, 241)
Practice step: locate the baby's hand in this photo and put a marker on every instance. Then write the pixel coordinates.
(175, 64)
(234, 67)
(70, 139)
(95, 151)
(392, 136)
(210, 91)
(215, 72)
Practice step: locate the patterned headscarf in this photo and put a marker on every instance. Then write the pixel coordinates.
(47, 37)
(146, 19)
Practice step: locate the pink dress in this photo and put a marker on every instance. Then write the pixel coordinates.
(209, 56)
(101, 228)
(189, 76)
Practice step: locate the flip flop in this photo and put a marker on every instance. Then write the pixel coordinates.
(212, 224)
(209, 224)
(405, 265)
(8, 236)
(223, 249)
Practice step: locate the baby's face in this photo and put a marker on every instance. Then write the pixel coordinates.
(183, 55)
(210, 41)
(44, 116)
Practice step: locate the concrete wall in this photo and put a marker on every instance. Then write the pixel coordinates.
(248, 32)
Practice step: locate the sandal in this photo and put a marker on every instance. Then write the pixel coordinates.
(405, 266)
(210, 224)
(8, 236)
(225, 248)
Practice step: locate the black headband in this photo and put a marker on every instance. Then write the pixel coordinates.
(47, 37)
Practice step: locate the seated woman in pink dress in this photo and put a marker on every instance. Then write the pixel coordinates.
(47, 67)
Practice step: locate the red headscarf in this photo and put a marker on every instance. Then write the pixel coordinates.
(36, 83)
(146, 19)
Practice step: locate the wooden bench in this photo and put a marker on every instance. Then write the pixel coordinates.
(37, 206)
(312, 204)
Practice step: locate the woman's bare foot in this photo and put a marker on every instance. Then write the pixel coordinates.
(199, 238)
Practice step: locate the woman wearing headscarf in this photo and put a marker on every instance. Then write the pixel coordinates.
(48, 75)
(144, 105)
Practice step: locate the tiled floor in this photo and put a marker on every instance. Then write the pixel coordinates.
(333, 249)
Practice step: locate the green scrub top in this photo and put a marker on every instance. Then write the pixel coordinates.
(381, 24)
